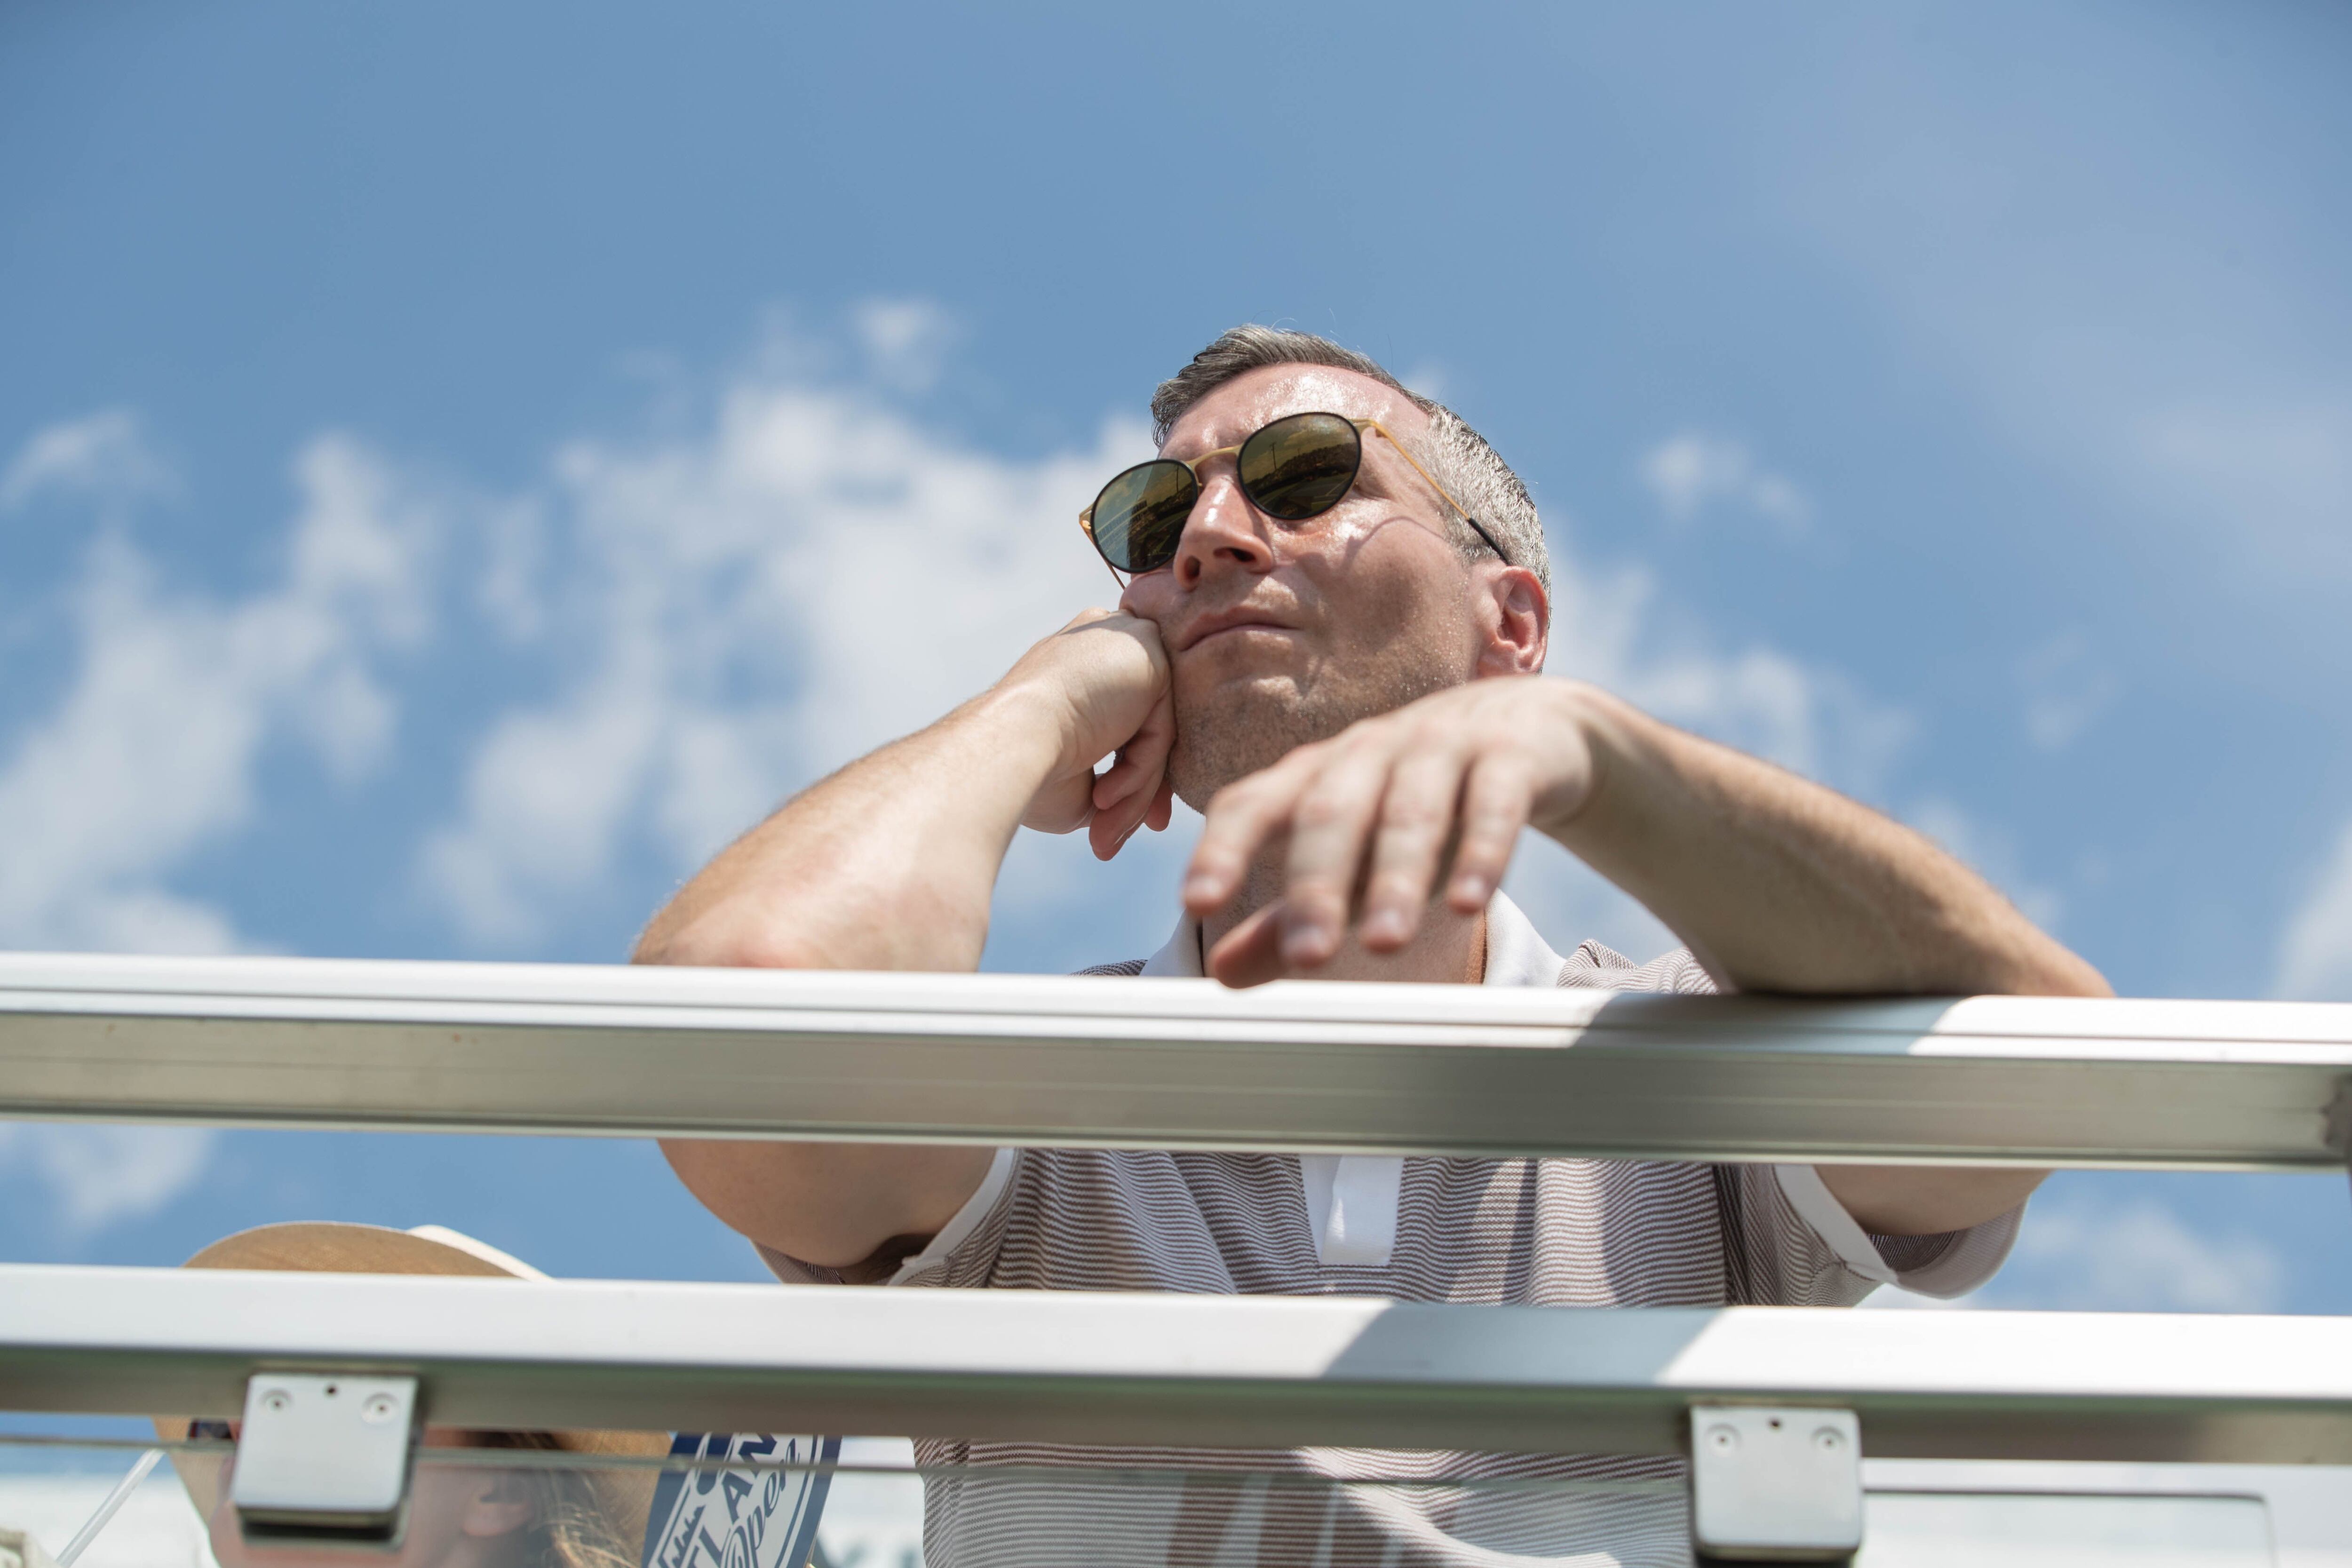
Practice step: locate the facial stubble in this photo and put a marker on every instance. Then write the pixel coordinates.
(1245, 724)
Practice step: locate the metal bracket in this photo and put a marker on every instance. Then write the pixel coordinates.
(1775, 1485)
(323, 1458)
(2339, 1124)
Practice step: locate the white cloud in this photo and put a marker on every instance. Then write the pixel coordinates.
(2066, 687)
(103, 457)
(2315, 958)
(1608, 628)
(1692, 471)
(2136, 1257)
(2202, 402)
(905, 340)
(2083, 1253)
(151, 750)
(742, 607)
(2275, 472)
(97, 1176)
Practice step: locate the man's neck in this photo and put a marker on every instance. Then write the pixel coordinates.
(1449, 949)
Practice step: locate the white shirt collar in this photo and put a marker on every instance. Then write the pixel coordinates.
(1516, 954)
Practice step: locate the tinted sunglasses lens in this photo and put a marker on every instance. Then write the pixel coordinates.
(1141, 514)
(1297, 467)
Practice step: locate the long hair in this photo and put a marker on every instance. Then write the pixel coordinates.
(572, 1524)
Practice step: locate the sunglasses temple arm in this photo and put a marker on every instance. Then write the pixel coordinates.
(1480, 530)
(1086, 527)
(1475, 526)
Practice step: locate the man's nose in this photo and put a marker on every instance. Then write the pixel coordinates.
(1223, 532)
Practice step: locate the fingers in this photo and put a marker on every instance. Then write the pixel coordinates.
(1134, 788)
(1242, 818)
(1108, 831)
(1250, 954)
(1495, 807)
(1143, 762)
(1329, 825)
(1381, 822)
(1417, 818)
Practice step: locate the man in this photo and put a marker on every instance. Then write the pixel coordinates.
(1329, 646)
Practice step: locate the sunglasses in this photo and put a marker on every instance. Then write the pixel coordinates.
(1301, 465)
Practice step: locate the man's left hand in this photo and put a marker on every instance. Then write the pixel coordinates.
(1381, 812)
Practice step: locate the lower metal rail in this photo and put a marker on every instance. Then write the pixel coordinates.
(1185, 1371)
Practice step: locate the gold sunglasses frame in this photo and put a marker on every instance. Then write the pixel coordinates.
(1086, 517)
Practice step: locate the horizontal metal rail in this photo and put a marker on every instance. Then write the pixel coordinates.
(1455, 1069)
(1084, 1367)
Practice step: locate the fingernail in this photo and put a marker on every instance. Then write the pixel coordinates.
(1305, 944)
(1385, 925)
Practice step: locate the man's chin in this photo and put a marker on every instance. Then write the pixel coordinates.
(1249, 728)
(1227, 729)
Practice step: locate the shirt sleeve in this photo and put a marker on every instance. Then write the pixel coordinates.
(1790, 1243)
(964, 1250)
(959, 1254)
(1788, 1240)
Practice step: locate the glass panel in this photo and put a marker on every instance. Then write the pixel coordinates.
(641, 1499)
(736, 1504)
(2027, 1530)
(52, 1491)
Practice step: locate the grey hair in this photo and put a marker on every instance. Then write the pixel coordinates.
(1457, 457)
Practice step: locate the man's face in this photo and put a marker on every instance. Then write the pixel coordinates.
(1283, 633)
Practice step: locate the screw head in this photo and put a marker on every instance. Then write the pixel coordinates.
(1722, 1439)
(277, 1399)
(379, 1408)
(1829, 1439)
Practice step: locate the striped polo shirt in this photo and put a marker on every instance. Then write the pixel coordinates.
(1580, 1233)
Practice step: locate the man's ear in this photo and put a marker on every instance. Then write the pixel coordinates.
(501, 1506)
(1515, 618)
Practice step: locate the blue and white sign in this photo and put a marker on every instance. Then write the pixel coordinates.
(759, 1510)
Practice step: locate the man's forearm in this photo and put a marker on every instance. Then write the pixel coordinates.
(888, 864)
(1781, 885)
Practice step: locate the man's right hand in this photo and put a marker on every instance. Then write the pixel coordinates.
(1102, 681)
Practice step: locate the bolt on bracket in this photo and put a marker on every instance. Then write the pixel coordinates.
(324, 1458)
(1775, 1484)
(2339, 1124)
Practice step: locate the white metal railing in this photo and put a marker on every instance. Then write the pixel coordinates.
(1171, 1064)
(1091, 1367)
(1177, 1064)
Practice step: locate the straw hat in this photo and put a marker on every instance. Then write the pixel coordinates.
(323, 1248)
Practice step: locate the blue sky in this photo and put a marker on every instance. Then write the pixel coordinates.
(459, 465)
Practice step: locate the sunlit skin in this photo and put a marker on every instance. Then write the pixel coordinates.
(1280, 635)
(458, 1518)
(1351, 700)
